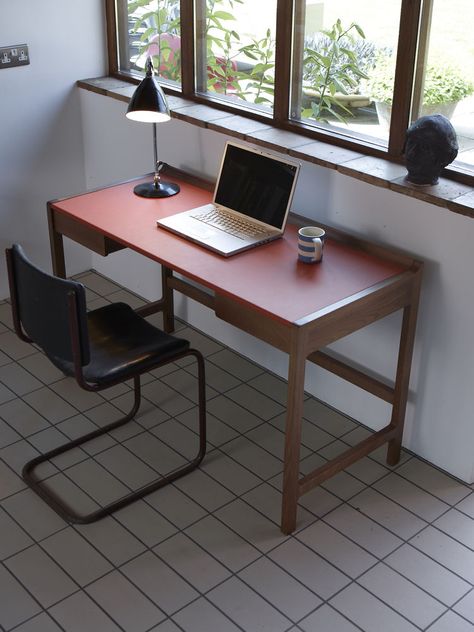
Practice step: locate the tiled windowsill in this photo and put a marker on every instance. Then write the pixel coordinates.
(453, 196)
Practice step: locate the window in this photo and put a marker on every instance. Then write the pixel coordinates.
(352, 72)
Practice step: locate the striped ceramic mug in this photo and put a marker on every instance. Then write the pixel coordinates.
(311, 244)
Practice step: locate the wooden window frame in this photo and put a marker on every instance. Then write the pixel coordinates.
(411, 24)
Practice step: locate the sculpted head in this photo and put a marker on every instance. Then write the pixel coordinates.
(430, 145)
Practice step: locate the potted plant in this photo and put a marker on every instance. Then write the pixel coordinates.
(444, 87)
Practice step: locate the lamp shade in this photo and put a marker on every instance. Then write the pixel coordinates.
(148, 103)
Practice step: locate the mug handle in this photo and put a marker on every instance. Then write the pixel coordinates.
(318, 248)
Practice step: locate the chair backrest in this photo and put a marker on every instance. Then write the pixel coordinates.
(42, 305)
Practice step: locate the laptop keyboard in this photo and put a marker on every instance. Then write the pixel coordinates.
(229, 223)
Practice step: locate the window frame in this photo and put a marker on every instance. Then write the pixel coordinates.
(412, 14)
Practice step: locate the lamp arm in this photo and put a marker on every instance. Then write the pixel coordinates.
(156, 177)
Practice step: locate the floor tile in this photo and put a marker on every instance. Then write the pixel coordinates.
(326, 618)
(43, 578)
(327, 418)
(232, 414)
(229, 473)
(434, 481)
(49, 405)
(387, 513)
(154, 452)
(267, 500)
(186, 384)
(124, 603)
(458, 526)
(253, 457)
(159, 582)
(126, 467)
(40, 623)
(78, 613)
(22, 418)
(368, 612)
(465, 607)
(205, 344)
(404, 597)
(166, 626)
(41, 367)
(235, 364)
(10, 482)
(206, 491)
(467, 505)
(451, 622)
(451, 554)
(246, 608)
(97, 482)
(202, 616)
(412, 497)
(251, 525)
(176, 507)
(278, 587)
(6, 395)
(76, 556)
(223, 543)
(7, 434)
(364, 531)
(255, 401)
(143, 523)
(12, 346)
(182, 439)
(13, 538)
(272, 440)
(367, 470)
(99, 284)
(428, 574)
(218, 379)
(217, 431)
(17, 379)
(166, 398)
(112, 540)
(192, 562)
(337, 549)
(16, 605)
(312, 437)
(309, 568)
(272, 386)
(68, 389)
(33, 514)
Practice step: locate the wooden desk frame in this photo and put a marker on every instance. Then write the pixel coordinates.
(302, 340)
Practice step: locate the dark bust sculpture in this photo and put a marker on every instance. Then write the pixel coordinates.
(430, 145)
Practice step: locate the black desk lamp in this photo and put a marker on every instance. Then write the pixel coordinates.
(149, 105)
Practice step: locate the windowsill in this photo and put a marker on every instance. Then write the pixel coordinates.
(454, 196)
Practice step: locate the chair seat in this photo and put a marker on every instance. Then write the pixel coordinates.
(122, 344)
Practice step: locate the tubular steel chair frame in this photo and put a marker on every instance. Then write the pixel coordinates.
(75, 312)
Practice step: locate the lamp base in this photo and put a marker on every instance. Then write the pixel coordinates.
(161, 190)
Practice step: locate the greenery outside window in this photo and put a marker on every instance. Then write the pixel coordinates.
(351, 72)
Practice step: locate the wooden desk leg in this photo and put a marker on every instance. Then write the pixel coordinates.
(168, 299)
(407, 339)
(56, 245)
(296, 371)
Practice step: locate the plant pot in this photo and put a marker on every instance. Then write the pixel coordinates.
(384, 111)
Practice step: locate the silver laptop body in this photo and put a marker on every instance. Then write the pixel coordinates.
(250, 206)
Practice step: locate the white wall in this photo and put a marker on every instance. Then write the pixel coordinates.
(439, 418)
(41, 149)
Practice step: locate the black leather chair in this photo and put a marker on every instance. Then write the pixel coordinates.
(99, 348)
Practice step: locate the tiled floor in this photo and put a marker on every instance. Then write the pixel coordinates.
(376, 549)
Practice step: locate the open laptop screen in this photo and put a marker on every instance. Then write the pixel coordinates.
(256, 184)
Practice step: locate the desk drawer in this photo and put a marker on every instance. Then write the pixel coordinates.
(85, 236)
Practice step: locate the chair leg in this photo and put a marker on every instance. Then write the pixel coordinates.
(65, 511)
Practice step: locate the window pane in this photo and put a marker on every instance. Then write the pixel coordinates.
(447, 82)
(236, 51)
(153, 29)
(343, 54)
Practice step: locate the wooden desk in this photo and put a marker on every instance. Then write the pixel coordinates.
(296, 307)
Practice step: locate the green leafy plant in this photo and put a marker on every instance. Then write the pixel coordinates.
(260, 78)
(158, 26)
(442, 84)
(331, 70)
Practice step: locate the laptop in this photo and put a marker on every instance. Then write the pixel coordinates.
(250, 206)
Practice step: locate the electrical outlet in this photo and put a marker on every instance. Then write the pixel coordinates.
(17, 55)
